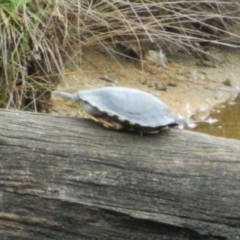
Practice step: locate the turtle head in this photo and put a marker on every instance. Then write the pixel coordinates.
(66, 96)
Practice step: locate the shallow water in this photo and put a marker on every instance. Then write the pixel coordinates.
(228, 124)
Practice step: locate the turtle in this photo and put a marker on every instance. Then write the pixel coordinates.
(123, 108)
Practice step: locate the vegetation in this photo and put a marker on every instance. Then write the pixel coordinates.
(138, 25)
(36, 37)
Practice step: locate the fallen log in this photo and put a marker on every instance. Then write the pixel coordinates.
(67, 178)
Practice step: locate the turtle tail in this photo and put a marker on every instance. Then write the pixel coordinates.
(66, 96)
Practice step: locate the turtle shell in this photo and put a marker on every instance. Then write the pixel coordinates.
(131, 108)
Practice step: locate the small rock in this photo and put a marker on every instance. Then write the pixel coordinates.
(157, 58)
(108, 79)
(144, 82)
(152, 56)
(150, 85)
(171, 84)
(180, 78)
(161, 86)
(229, 82)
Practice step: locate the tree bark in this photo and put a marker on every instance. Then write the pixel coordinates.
(68, 178)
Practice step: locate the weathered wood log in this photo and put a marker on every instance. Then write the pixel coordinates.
(67, 178)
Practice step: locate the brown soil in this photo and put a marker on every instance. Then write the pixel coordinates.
(179, 83)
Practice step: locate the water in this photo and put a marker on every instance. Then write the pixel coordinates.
(228, 125)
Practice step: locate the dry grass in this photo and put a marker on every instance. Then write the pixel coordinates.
(37, 36)
(138, 25)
